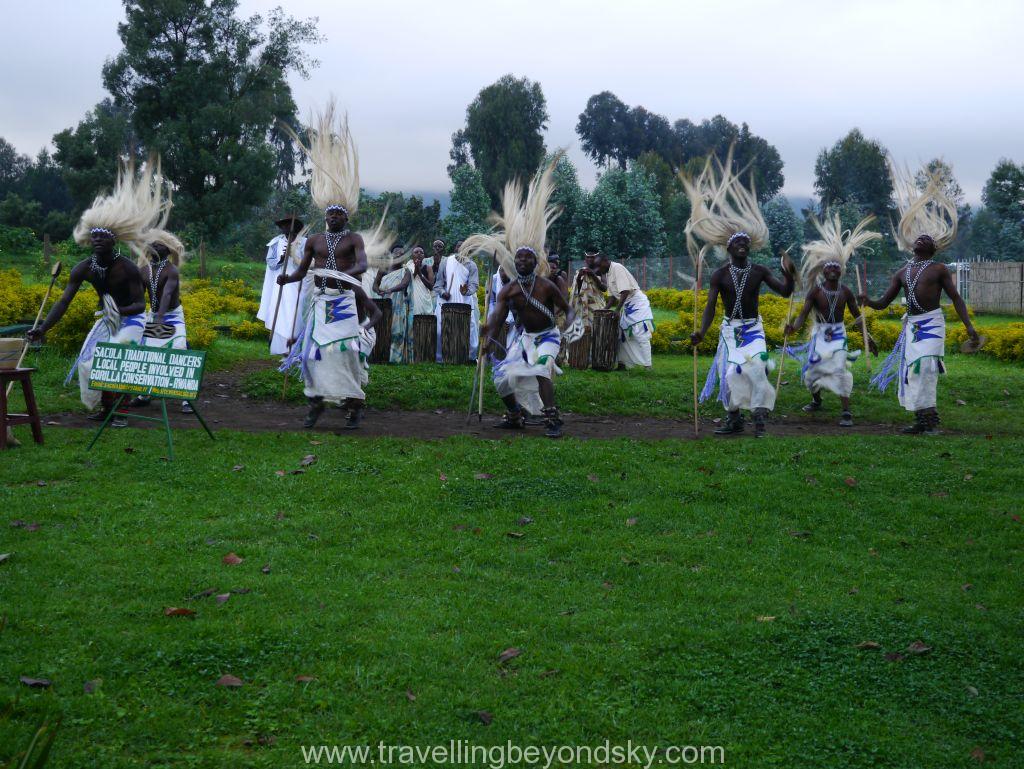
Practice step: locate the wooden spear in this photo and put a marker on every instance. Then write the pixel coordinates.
(789, 316)
(864, 320)
(54, 272)
(696, 294)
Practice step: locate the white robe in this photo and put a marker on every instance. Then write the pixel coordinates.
(111, 326)
(422, 297)
(924, 343)
(174, 318)
(524, 362)
(741, 367)
(827, 365)
(292, 295)
(332, 350)
(636, 321)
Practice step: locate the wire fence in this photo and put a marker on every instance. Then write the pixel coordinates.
(996, 287)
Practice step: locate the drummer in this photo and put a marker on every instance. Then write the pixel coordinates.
(457, 281)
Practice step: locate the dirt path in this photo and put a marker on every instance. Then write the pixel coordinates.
(225, 406)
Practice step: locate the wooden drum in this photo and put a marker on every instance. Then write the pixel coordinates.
(382, 347)
(605, 345)
(424, 338)
(579, 351)
(455, 320)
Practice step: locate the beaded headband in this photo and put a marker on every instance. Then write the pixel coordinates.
(735, 236)
(102, 230)
(336, 207)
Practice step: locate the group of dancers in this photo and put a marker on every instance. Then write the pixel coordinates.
(322, 315)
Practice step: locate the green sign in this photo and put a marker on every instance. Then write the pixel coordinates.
(159, 371)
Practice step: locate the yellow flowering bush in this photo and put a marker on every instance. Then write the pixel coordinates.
(18, 302)
(71, 330)
(249, 329)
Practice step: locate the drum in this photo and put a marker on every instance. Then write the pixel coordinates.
(605, 345)
(579, 351)
(424, 338)
(455, 320)
(382, 347)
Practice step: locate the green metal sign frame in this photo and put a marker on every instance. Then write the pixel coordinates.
(159, 372)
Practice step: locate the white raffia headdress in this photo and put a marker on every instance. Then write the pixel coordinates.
(835, 246)
(923, 212)
(334, 182)
(378, 242)
(157, 197)
(126, 212)
(722, 208)
(522, 223)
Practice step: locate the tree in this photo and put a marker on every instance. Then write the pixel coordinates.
(604, 128)
(206, 89)
(470, 204)
(88, 154)
(13, 166)
(621, 216)
(1003, 193)
(855, 170)
(408, 218)
(785, 230)
(459, 153)
(504, 132)
(568, 196)
(761, 159)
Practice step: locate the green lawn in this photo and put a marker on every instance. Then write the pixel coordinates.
(667, 593)
(978, 395)
(991, 392)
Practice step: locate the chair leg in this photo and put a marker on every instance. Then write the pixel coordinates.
(32, 409)
(3, 414)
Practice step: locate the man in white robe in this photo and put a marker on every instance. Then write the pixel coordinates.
(457, 280)
(293, 294)
(636, 320)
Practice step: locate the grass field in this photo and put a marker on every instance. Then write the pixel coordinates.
(846, 601)
(667, 593)
(978, 395)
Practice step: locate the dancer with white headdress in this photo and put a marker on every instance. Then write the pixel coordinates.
(118, 217)
(337, 335)
(726, 213)
(517, 241)
(160, 254)
(826, 356)
(928, 222)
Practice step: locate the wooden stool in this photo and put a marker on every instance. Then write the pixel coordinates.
(23, 375)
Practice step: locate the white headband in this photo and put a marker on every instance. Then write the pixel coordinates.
(104, 230)
(740, 234)
(336, 207)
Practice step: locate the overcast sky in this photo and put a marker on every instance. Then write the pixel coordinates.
(931, 78)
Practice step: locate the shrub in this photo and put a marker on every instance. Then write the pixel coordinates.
(71, 330)
(18, 302)
(249, 329)
(17, 240)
